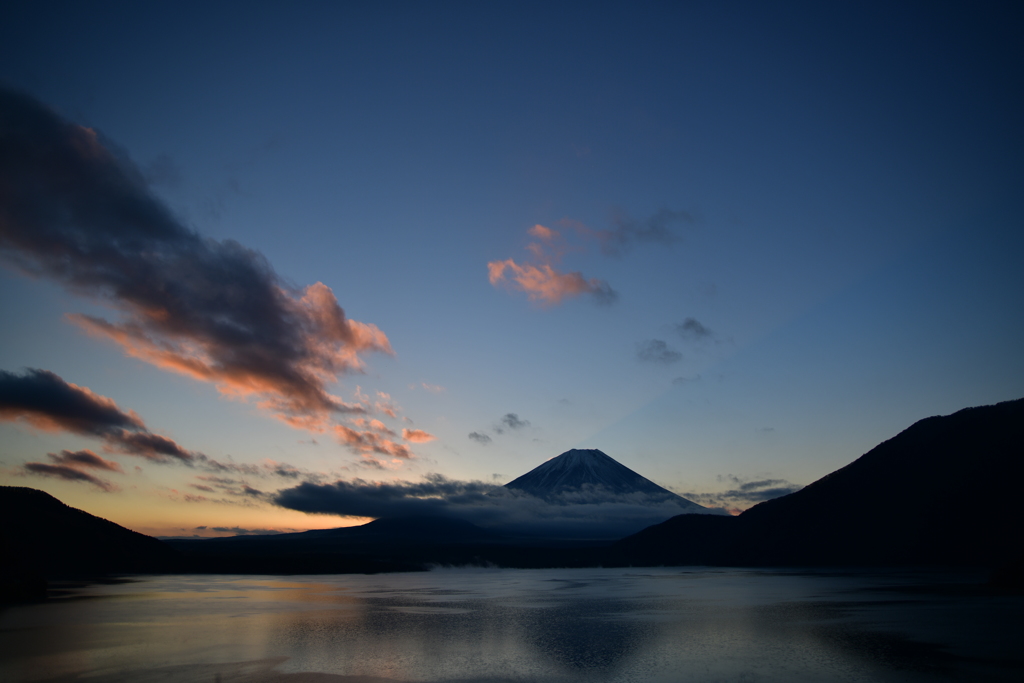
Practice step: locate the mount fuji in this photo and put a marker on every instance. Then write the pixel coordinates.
(587, 475)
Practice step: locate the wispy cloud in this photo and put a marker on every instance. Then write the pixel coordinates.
(691, 331)
(508, 421)
(386, 405)
(549, 285)
(627, 232)
(544, 284)
(85, 458)
(373, 425)
(237, 489)
(44, 401)
(743, 492)
(68, 473)
(541, 281)
(240, 531)
(367, 442)
(71, 466)
(657, 351)
(74, 211)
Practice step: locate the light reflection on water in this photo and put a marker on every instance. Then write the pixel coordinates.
(465, 625)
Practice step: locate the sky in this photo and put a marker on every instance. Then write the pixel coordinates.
(262, 263)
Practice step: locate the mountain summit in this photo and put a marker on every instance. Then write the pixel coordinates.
(592, 471)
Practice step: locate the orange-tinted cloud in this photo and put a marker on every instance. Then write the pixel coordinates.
(385, 404)
(543, 233)
(291, 386)
(78, 213)
(544, 284)
(541, 281)
(417, 436)
(68, 473)
(374, 425)
(367, 442)
(552, 246)
(85, 458)
(71, 466)
(45, 401)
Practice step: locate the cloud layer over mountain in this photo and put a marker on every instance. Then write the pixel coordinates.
(591, 512)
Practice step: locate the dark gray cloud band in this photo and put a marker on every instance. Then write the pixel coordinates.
(590, 512)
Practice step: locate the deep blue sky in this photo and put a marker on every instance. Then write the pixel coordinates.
(844, 182)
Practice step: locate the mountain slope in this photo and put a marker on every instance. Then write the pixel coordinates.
(43, 535)
(590, 469)
(944, 491)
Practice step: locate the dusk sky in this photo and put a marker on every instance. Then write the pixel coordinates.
(732, 245)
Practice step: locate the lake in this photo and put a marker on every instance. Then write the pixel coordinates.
(502, 625)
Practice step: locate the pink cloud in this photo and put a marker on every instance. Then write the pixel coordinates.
(417, 436)
(373, 425)
(544, 284)
(291, 384)
(367, 442)
(386, 404)
(539, 231)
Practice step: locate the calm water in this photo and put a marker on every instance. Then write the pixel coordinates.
(521, 625)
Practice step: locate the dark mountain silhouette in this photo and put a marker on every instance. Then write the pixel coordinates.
(945, 491)
(427, 529)
(424, 529)
(390, 544)
(591, 469)
(43, 538)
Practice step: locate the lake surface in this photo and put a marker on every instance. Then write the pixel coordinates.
(665, 624)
